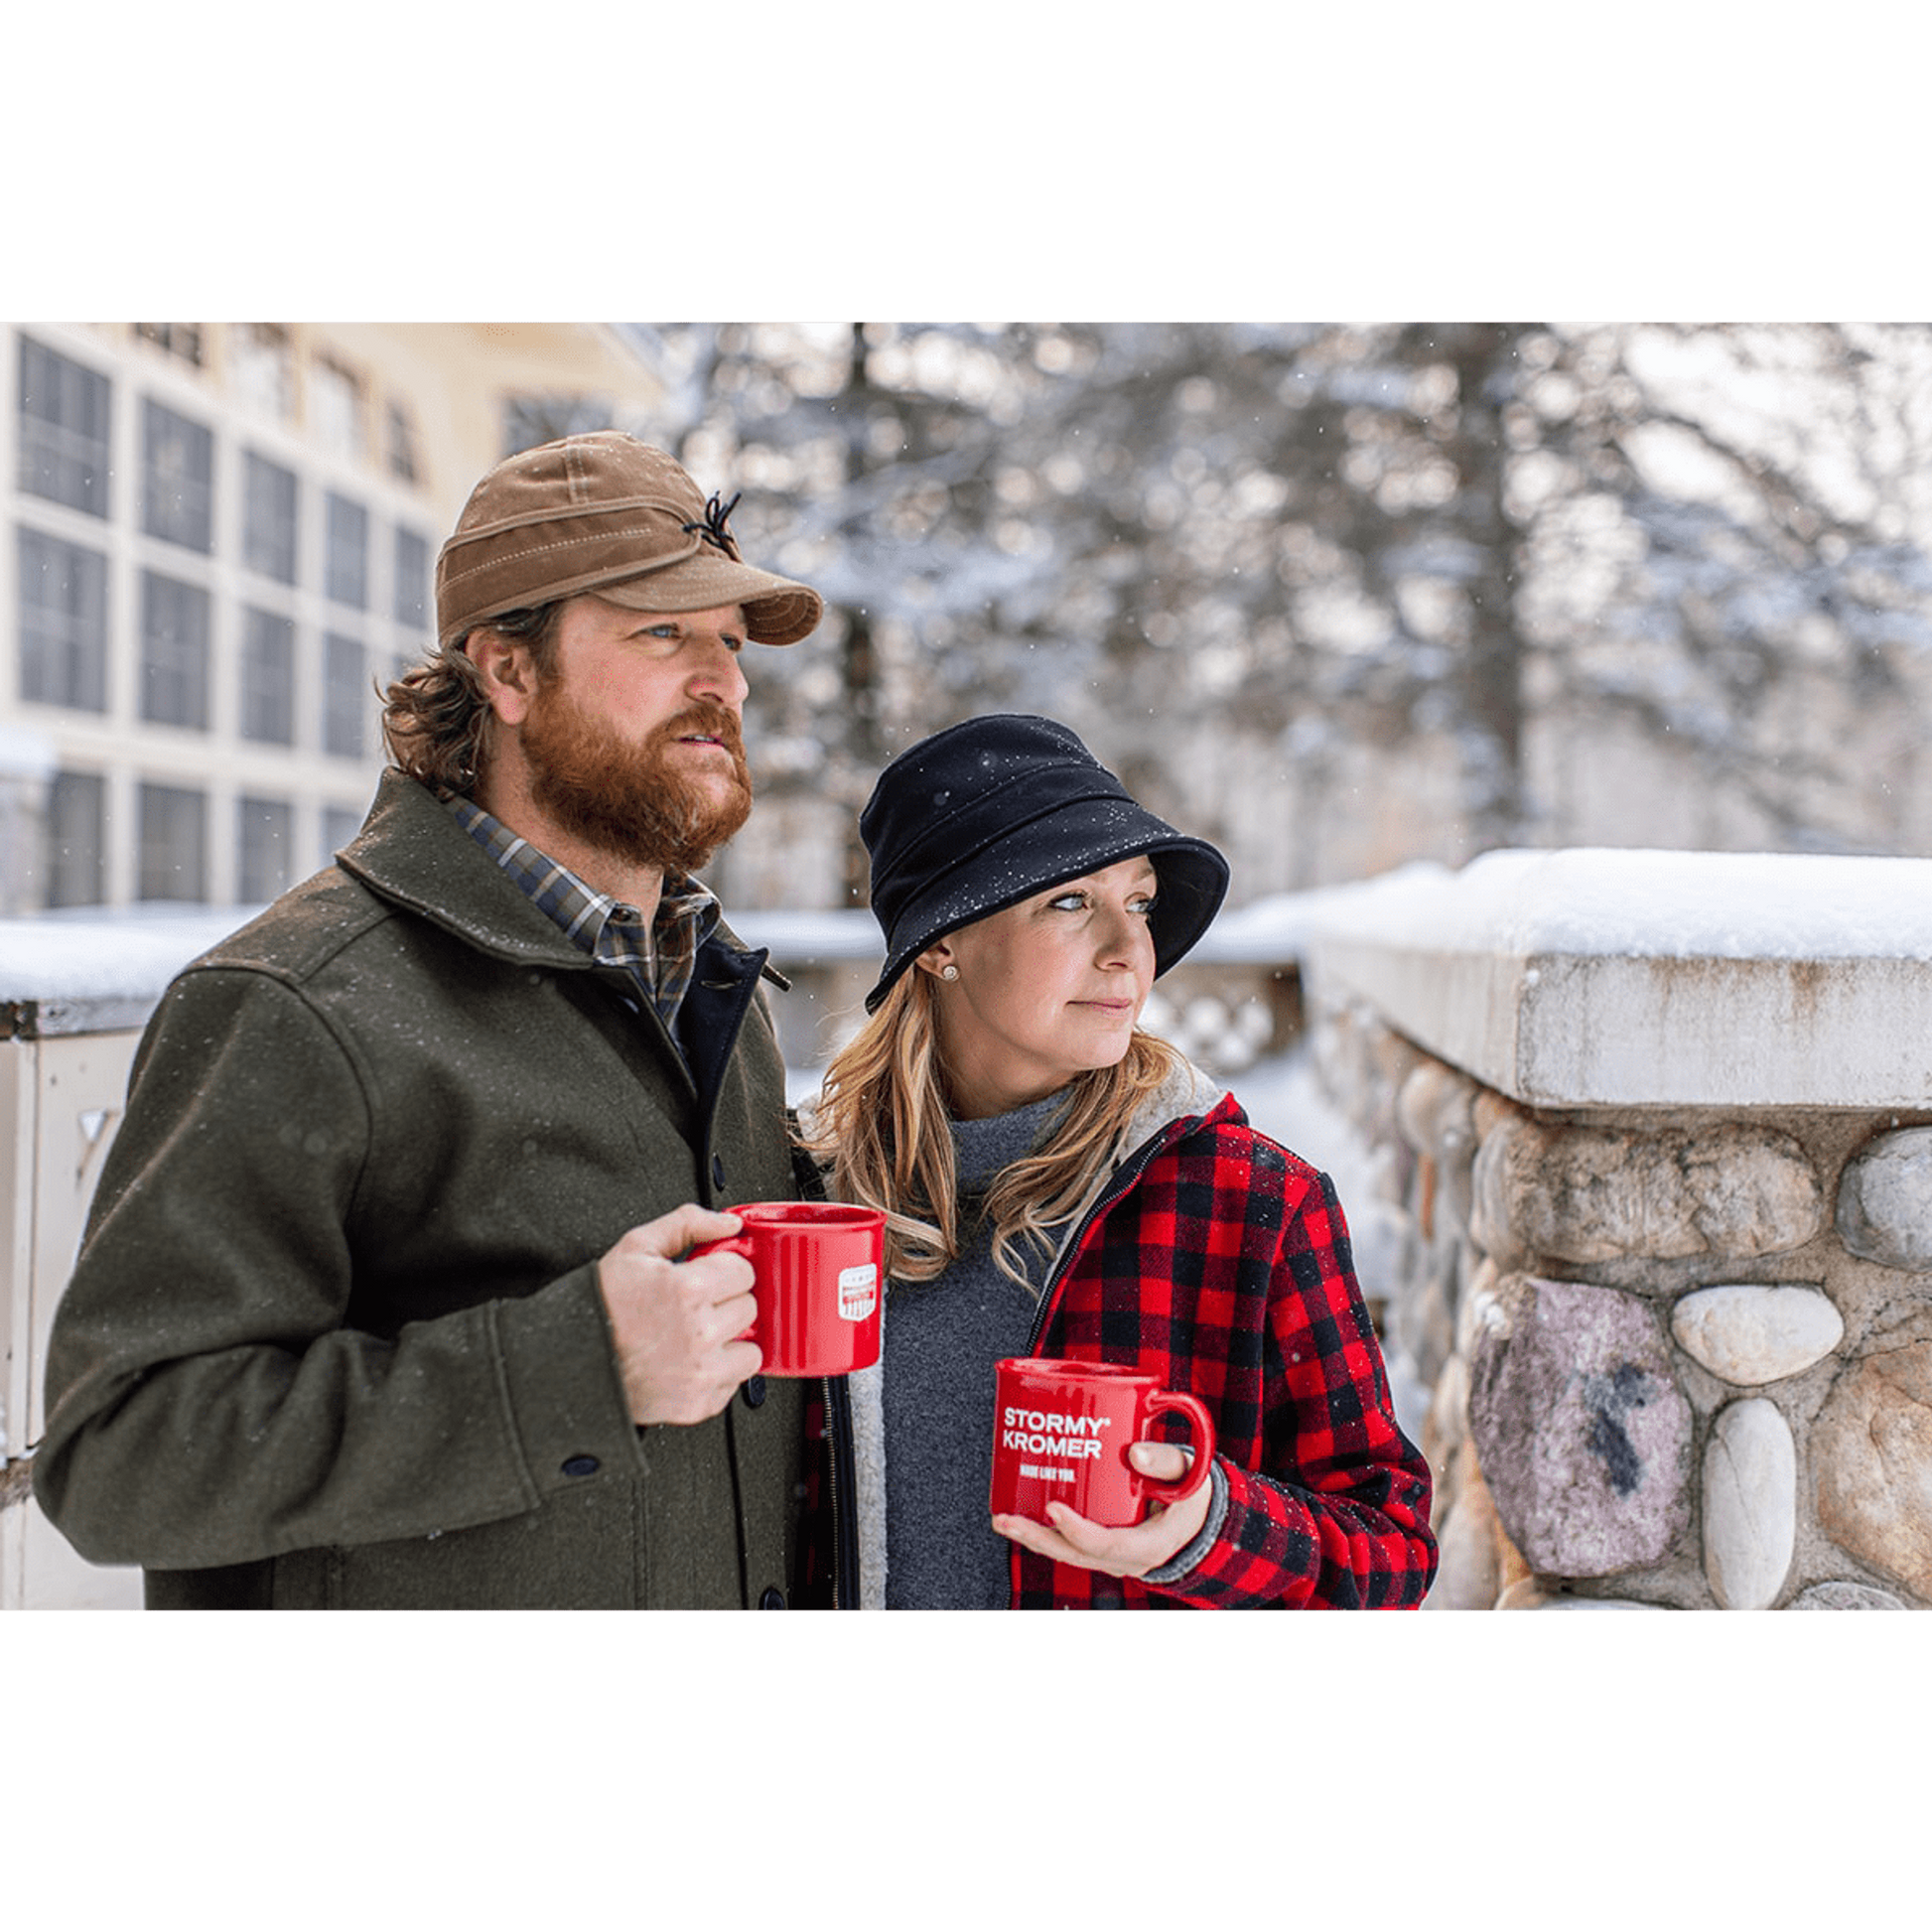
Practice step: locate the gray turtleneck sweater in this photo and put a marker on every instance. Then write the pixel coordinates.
(941, 1340)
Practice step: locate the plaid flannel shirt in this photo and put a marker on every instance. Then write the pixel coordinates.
(660, 958)
(1219, 1262)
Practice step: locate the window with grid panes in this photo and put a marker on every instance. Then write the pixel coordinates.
(63, 613)
(264, 830)
(177, 478)
(172, 855)
(63, 429)
(77, 839)
(174, 651)
(345, 571)
(267, 677)
(346, 701)
(411, 589)
(268, 517)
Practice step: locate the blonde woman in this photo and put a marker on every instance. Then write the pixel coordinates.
(1062, 1182)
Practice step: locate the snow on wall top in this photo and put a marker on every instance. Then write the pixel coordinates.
(1645, 904)
(1646, 977)
(129, 955)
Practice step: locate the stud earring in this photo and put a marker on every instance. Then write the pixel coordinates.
(949, 972)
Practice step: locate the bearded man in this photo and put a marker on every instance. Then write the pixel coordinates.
(381, 1300)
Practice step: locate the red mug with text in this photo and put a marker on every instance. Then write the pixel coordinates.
(817, 1266)
(1061, 1431)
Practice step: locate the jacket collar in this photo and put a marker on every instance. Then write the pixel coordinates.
(412, 852)
(1185, 1096)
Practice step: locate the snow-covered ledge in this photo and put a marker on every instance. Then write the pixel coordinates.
(1646, 1148)
(1635, 978)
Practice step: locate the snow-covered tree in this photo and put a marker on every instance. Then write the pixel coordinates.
(1343, 596)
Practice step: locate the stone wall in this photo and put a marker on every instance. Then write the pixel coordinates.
(1680, 1355)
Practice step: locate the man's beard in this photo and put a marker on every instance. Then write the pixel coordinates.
(636, 802)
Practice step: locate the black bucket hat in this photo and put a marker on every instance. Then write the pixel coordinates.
(979, 816)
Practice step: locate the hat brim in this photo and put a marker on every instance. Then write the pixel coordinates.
(1079, 839)
(777, 609)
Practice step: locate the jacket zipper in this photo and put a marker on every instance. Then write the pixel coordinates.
(1111, 1197)
(1122, 1185)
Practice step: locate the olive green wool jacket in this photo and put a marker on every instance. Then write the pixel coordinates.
(334, 1337)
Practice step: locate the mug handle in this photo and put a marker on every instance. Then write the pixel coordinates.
(1167, 1402)
(730, 1244)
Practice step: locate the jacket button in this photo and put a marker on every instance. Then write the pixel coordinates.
(754, 1392)
(772, 1599)
(581, 1465)
(717, 1169)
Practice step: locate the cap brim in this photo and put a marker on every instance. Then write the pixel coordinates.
(777, 609)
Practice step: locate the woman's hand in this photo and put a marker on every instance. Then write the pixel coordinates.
(1130, 1552)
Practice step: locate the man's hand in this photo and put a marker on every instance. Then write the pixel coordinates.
(676, 1322)
(1130, 1552)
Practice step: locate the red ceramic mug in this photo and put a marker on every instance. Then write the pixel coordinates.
(1061, 1431)
(817, 1266)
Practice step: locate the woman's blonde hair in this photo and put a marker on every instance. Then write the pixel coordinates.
(884, 1126)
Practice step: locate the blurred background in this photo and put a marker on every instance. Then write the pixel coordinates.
(1336, 597)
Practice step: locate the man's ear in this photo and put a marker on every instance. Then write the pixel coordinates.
(507, 675)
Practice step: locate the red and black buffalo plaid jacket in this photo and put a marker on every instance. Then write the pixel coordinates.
(1218, 1261)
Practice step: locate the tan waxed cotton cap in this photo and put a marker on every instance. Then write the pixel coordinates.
(606, 513)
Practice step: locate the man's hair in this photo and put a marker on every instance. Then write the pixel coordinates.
(883, 1123)
(435, 715)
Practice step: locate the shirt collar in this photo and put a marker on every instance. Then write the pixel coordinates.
(609, 930)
